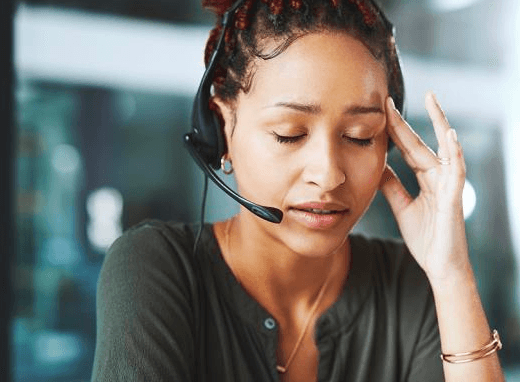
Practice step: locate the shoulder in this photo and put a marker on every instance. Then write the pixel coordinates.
(153, 240)
(151, 252)
(147, 304)
(151, 234)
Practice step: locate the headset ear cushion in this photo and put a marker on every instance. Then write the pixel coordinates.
(218, 129)
(218, 122)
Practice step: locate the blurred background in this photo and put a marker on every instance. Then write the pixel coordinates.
(102, 95)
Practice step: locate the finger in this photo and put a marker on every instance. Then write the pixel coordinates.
(440, 124)
(393, 191)
(458, 167)
(415, 152)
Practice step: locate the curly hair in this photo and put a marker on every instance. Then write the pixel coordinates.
(257, 22)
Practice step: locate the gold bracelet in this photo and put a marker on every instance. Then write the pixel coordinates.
(484, 351)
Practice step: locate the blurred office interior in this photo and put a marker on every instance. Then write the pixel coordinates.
(103, 93)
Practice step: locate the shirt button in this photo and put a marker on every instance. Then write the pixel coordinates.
(269, 323)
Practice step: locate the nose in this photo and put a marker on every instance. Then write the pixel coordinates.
(324, 164)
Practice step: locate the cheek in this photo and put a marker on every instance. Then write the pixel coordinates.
(257, 172)
(365, 173)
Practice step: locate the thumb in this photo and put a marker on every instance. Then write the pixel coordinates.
(393, 191)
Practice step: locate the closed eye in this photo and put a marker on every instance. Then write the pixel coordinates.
(287, 139)
(361, 142)
(295, 138)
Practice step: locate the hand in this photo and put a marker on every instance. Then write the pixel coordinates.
(432, 224)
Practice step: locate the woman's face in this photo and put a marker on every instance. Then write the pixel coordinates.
(310, 139)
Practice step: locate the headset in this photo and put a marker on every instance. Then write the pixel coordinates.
(206, 142)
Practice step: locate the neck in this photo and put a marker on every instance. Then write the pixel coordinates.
(280, 279)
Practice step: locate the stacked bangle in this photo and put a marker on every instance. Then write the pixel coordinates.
(484, 351)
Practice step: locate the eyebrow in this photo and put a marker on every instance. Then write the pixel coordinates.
(303, 107)
(316, 109)
(358, 109)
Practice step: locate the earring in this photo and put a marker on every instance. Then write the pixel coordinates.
(223, 161)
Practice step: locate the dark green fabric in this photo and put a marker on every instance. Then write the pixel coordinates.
(164, 314)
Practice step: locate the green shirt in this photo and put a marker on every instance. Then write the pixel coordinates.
(167, 314)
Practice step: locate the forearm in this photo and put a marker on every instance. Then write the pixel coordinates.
(463, 327)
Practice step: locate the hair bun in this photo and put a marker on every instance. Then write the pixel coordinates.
(217, 6)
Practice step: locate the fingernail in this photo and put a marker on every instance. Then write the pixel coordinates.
(453, 135)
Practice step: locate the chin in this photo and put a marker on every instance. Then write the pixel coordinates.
(317, 243)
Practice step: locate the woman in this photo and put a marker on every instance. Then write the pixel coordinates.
(306, 94)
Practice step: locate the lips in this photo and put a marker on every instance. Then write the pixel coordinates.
(319, 211)
(318, 215)
(320, 207)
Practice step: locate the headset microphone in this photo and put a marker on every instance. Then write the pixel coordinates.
(271, 214)
(206, 143)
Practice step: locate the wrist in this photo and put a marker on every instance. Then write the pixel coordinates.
(456, 280)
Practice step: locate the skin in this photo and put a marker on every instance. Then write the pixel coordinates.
(323, 165)
(439, 242)
(329, 95)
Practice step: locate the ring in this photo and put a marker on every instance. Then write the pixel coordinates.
(444, 161)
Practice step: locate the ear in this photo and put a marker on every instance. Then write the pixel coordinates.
(226, 116)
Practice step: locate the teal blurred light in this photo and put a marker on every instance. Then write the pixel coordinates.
(450, 5)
